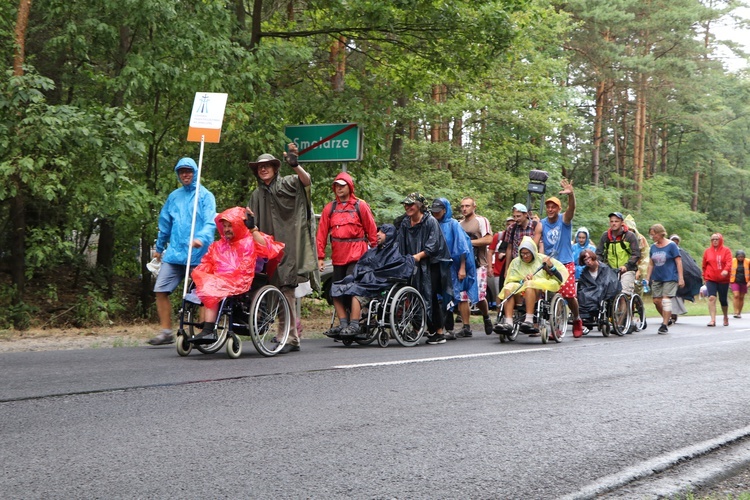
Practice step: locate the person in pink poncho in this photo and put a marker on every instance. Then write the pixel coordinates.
(229, 266)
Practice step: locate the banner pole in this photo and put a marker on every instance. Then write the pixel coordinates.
(192, 224)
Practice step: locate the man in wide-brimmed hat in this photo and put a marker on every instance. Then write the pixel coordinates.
(281, 205)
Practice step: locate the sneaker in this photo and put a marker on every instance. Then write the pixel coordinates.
(577, 328)
(438, 338)
(449, 335)
(163, 338)
(528, 327)
(487, 326)
(663, 329)
(502, 328)
(586, 330)
(289, 348)
(465, 332)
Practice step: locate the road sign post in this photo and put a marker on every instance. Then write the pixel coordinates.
(327, 142)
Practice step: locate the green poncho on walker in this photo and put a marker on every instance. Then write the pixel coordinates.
(527, 273)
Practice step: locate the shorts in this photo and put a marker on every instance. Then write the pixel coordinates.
(663, 289)
(627, 280)
(739, 287)
(341, 272)
(481, 285)
(170, 275)
(719, 289)
(568, 289)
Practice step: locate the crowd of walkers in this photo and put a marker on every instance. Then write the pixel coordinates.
(456, 263)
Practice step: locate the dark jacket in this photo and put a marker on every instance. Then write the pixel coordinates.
(591, 291)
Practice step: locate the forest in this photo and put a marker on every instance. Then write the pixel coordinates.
(628, 99)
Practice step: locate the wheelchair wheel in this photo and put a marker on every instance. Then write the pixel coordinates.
(513, 335)
(408, 314)
(558, 318)
(544, 332)
(620, 314)
(222, 329)
(234, 346)
(638, 313)
(605, 329)
(183, 346)
(269, 320)
(383, 337)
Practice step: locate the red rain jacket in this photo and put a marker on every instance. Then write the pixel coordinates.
(229, 266)
(716, 260)
(351, 233)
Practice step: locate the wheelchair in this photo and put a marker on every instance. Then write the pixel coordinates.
(262, 313)
(637, 310)
(399, 312)
(613, 315)
(550, 314)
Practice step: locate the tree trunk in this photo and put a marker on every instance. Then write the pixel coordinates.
(639, 140)
(696, 183)
(338, 62)
(664, 150)
(436, 122)
(17, 203)
(105, 252)
(598, 119)
(255, 25)
(399, 129)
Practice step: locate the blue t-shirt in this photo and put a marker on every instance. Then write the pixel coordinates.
(557, 239)
(665, 267)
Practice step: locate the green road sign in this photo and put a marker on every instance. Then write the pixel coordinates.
(327, 142)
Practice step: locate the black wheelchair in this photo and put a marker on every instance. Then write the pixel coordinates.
(399, 312)
(613, 315)
(262, 313)
(550, 318)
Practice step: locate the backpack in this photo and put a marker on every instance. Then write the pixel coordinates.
(359, 216)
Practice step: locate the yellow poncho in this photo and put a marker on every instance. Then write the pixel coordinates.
(519, 270)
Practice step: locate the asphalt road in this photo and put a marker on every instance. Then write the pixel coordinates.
(472, 418)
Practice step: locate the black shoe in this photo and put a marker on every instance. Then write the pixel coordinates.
(465, 332)
(487, 326)
(334, 332)
(449, 335)
(663, 329)
(438, 338)
(204, 338)
(527, 327)
(502, 328)
(289, 348)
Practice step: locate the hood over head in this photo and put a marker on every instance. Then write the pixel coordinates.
(345, 177)
(585, 231)
(187, 162)
(390, 234)
(236, 217)
(721, 239)
(528, 244)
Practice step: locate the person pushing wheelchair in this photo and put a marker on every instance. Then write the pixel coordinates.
(229, 266)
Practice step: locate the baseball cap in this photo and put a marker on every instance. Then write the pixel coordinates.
(616, 214)
(437, 206)
(555, 200)
(413, 198)
(340, 182)
(675, 237)
(520, 207)
(510, 219)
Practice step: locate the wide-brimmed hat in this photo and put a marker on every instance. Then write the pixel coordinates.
(265, 158)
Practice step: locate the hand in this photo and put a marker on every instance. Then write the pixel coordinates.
(321, 265)
(725, 273)
(567, 187)
(529, 277)
(197, 243)
(623, 269)
(461, 275)
(681, 283)
(292, 155)
(416, 257)
(157, 255)
(547, 261)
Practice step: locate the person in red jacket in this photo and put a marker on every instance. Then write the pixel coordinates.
(350, 225)
(229, 266)
(717, 265)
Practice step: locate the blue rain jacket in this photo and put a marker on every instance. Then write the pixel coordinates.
(459, 244)
(176, 217)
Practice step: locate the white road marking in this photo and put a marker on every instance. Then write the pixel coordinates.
(443, 358)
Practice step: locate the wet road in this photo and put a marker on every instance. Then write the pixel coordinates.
(472, 418)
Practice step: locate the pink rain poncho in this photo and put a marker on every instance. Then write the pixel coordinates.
(228, 268)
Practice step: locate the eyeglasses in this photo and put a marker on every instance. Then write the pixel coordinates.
(714, 239)
(266, 167)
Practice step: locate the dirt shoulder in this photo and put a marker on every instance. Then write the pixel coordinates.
(54, 339)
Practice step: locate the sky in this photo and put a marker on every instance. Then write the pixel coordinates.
(727, 31)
